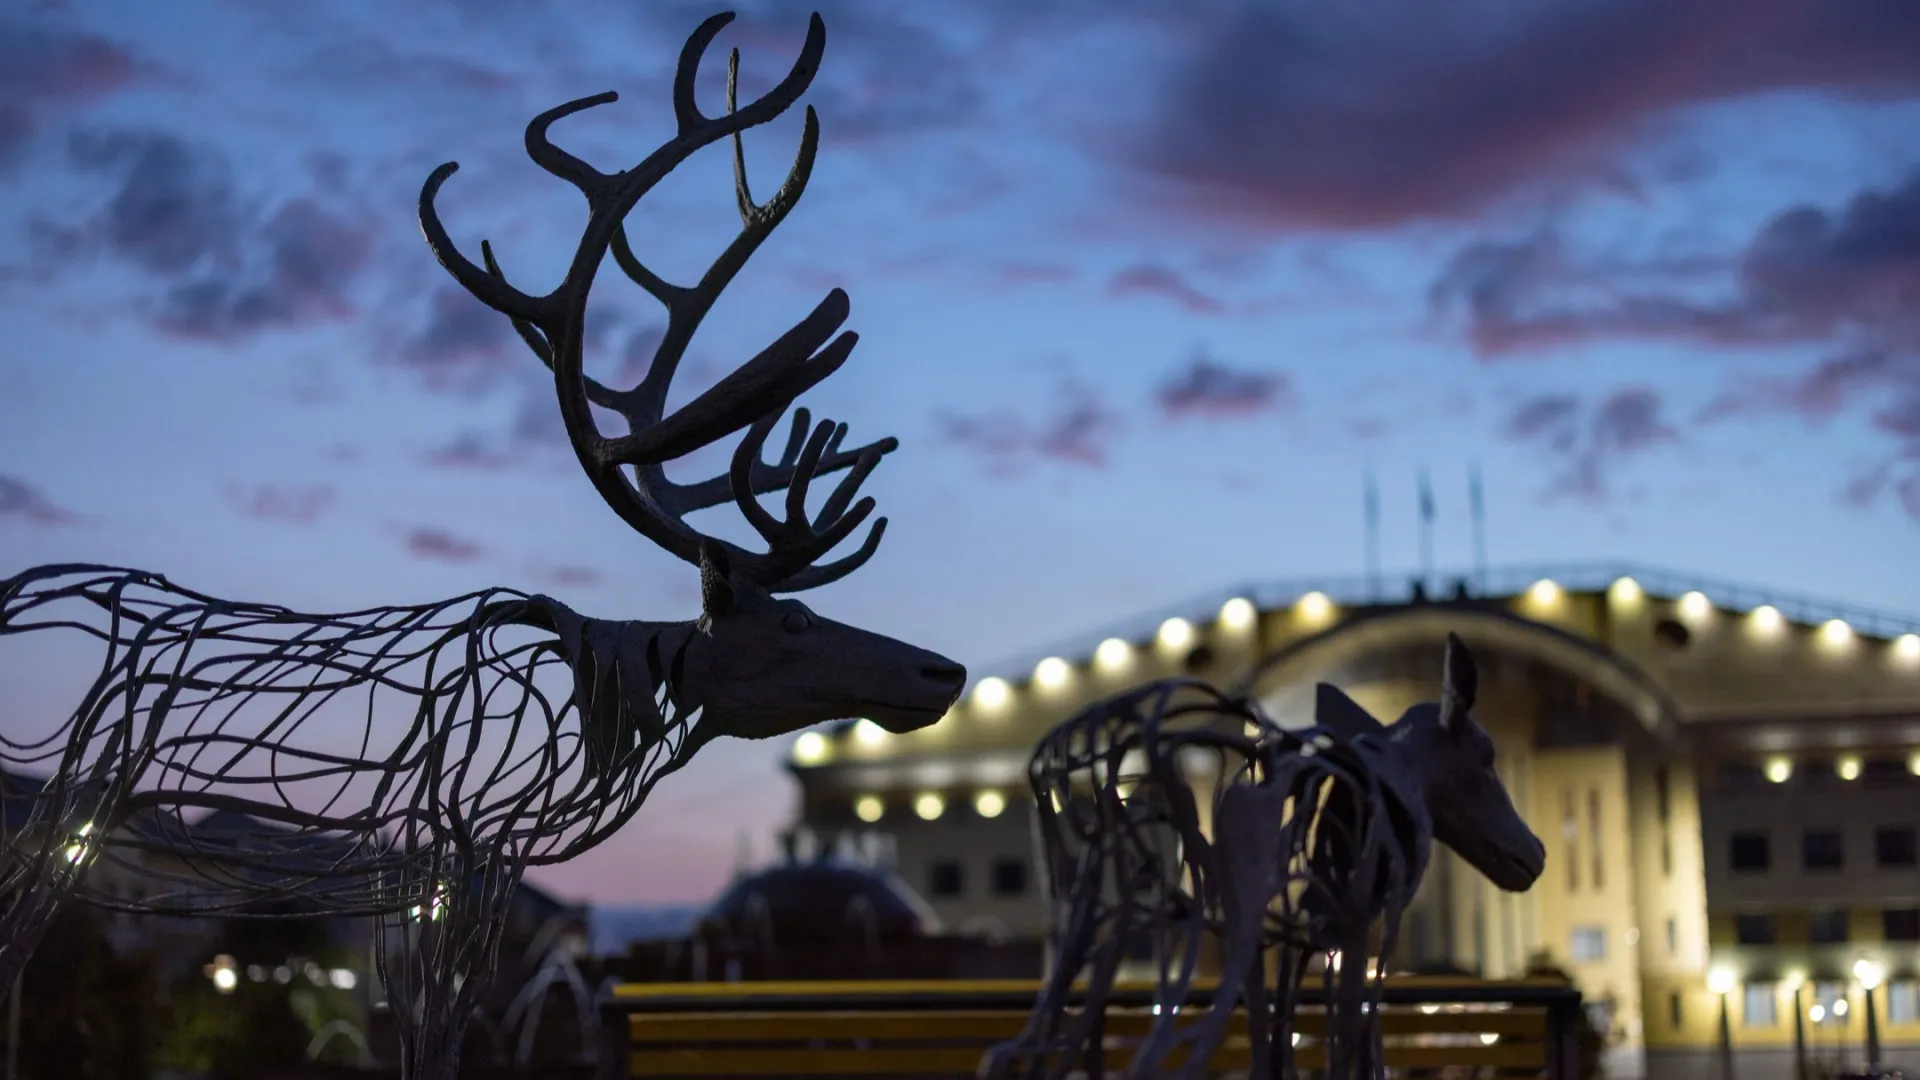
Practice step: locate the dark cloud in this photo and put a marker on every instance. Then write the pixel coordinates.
(174, 210)
(290, 505)
(310, 258)
(439, 545)
(1589, 442)
(21, 501)
(44, 69)
(1344, 117)
(464, 345)
(1079, 431)
(1152, 279)
(1208, 388)
(895, 70)
(1845, 280)
(226, 270)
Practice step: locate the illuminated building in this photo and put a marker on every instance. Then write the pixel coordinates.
(1726, 782)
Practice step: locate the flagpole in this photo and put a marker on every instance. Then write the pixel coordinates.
(1426, 530)
(1476, 496)
(1373, 537)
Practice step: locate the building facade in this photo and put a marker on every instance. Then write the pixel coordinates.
(1727, 783)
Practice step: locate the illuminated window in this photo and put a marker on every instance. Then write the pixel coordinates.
(1757, 1006)
(1903, 1001)
(1589, 944)
(1829, 1002)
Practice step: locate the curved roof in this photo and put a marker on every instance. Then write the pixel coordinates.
(821, 902)
(1298, 662)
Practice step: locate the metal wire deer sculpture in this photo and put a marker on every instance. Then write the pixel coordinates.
(411, 763)
(1318, 840)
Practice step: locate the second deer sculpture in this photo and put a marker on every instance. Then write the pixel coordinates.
(406, 763)
(1177, 819)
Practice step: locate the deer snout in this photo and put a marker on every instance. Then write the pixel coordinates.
(917, 694)
(945, 676)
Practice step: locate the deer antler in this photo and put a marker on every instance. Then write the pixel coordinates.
(754, 395)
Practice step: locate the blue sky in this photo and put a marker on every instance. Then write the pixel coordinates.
(1144, 296)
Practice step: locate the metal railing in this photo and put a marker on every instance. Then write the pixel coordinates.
(1349, 590)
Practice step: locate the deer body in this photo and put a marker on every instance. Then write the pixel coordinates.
(481, 773)
(1318, 837)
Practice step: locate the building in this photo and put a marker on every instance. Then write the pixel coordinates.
(1726, 782)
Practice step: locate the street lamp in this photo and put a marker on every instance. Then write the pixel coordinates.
(1870, 973)
(1721, 981)
(1795, 985)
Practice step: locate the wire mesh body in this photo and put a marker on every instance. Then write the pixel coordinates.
(406, 763)
(1181, 825)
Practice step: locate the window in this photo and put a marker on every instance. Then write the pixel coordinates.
(947, 878)
(1821, 851)
(1674, 1015)
(1903, 1001)
(1570, 831)
(1901, 924)
(1827, 927)
(1756, 1005)
(1666, 855)
(1589, 943)
(1673, 936)
(1893, 847)
(1009, 877)
(1753, 929)
(1593, 829)
(1750, 853)
(1662, 795)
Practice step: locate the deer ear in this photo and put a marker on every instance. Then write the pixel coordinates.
(1459, 684)
(1340, 714)
(716, 592)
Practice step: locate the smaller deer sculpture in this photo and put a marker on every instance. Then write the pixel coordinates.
(1318, 841)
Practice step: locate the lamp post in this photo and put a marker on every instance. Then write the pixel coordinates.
(1870, 973)
(1721, 981)
(1799, 1031)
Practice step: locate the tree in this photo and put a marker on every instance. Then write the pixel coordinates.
(86, 1012)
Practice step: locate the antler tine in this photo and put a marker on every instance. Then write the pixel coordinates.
(553, 325)
(765, 476)
(794, 544)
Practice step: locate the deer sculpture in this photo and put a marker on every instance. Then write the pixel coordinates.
(1318, 841)
(410, 763)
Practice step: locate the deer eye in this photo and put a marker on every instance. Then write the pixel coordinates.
(796, 622)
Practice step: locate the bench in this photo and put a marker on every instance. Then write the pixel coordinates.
(1524, 1028)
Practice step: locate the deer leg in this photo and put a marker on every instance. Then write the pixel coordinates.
(437, 959)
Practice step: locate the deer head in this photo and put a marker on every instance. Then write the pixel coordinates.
(756, 665)
(1449, 757)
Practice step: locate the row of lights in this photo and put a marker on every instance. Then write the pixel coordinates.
(1115, 655)
(1779, 768)
(1694, 607)
(930, 806)
(1867, 972)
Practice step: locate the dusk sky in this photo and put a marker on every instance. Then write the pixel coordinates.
(1144, 288)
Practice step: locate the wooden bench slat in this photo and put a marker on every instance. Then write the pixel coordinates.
(1005, 1024)
(764, 1063)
